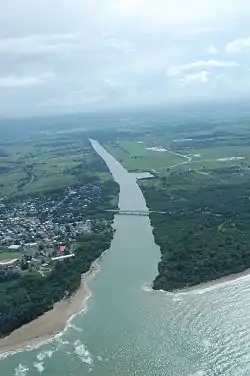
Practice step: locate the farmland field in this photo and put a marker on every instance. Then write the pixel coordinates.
(39, 164)
(160, 158)
(136, 156)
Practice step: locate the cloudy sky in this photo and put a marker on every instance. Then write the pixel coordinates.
(78, 55)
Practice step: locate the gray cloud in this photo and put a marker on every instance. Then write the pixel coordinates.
(61, 55)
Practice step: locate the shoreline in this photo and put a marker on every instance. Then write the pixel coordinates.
(54, 322)
(211, 285)
(51, 323)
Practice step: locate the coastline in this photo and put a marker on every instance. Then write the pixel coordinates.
(214, 284)
(52, 322)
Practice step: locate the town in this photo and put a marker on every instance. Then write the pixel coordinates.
(37, 232)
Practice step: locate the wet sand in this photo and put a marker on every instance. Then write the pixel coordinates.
(52, 322)
(217, 283)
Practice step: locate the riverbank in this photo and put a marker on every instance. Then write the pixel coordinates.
(52, 322)
(217, 283)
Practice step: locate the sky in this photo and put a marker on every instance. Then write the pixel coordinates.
(60, 56)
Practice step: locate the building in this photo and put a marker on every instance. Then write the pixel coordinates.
(62, 248)
(61, 258)
(14, 247)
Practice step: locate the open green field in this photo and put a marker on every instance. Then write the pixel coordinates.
(46, 163)
(10, 255)
(217, 157)
(136, 156)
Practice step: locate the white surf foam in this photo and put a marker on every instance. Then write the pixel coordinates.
(21, 370)
(214, 285)
(27, 348)
(62, 343)
(82, 352)
(206, 287)
(177, 299)
(76, 328)
(147, 288)
(45, 354)
(39, 366)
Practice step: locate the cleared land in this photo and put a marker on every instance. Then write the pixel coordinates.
(139, 156)
(136, 156)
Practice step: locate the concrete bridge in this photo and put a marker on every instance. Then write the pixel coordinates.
(142, 213)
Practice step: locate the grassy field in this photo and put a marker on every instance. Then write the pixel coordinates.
(10, 255)
(32, 166)
(45, 163)
(138, 155)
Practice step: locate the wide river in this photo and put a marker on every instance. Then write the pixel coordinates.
(129, 330)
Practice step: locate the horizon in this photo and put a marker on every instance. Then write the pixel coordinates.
(220, 106)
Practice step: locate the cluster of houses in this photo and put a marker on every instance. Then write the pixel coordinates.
(31, 257)
(41, 230)
(50, 220)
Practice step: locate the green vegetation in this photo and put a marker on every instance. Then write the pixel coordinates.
(22, 299)
(205, 234)
(10, 255)
(47, 164)
(135, 156)
(202, 180)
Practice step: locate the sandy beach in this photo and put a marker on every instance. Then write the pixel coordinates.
(55, 320)
(52, 322)
(217, 283)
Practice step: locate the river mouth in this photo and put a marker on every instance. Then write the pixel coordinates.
(130, 330)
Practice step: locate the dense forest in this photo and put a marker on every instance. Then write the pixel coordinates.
(205, 233)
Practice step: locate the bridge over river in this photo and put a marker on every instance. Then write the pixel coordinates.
(142, 213)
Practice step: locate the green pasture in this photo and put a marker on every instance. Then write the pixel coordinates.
(10, 255)
(136, 157)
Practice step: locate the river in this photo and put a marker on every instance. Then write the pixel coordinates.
(129, 330)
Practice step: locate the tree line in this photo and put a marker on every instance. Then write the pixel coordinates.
(205, 235)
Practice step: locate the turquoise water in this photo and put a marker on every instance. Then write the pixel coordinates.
(130, 330)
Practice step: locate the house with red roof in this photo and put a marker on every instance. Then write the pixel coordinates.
(62, 248)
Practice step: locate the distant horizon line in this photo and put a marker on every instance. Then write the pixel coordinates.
(132, 109)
